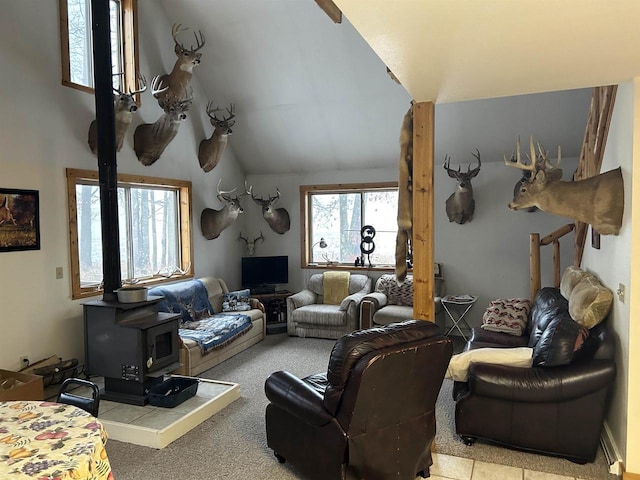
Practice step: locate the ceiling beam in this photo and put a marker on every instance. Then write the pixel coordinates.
(330, 9)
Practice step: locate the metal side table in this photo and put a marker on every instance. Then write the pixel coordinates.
(457, 306)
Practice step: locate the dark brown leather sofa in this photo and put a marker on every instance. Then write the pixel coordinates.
(371, 415)
(558, 406)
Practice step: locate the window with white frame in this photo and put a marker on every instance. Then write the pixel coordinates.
(334, 217)
(154, 230)
(77, 44)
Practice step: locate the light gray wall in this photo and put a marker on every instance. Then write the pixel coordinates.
(612, 263)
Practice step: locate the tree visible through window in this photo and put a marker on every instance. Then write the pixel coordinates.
(154, 230)
(337, 215)
(77, 43)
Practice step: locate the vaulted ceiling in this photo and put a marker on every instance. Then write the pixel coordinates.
(313, 95)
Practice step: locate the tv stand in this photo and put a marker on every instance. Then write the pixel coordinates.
(264, 290)
(275, 306)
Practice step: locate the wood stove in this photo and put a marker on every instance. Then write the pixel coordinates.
(131, 345)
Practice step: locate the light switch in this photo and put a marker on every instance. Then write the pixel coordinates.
(58, 273)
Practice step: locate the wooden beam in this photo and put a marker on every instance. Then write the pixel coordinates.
(330, 9)
(423, 153)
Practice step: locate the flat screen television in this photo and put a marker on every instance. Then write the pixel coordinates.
(262, 274)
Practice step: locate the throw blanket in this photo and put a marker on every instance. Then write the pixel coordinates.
(216, 331)
(335, 287)
(189, 299)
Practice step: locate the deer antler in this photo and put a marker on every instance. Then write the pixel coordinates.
(157, 86)
(222, 192)
(244, 239)
(532, 167)
(261, 237)
(177, 28)
(142, 81)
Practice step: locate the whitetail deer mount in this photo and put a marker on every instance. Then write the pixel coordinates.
(597, 200)
(210, 149)
(213, 222)
(542, 158)
(277, 218)
(460, 205)
(251, 244)
(151, 139)
(178, 80)
(124, 106)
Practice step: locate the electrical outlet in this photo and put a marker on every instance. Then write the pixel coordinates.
(58, 273)
(24, 362)
(621, 291)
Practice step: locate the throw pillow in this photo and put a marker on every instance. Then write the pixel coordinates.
(570, 278)
(507, 315)
(236, 301)
(458, 369)
(590, 302)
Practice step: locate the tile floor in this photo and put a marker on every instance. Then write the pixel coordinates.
(446, 467)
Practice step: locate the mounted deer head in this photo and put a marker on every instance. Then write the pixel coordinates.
(553, 171)
(597, 200)
(210, 150)
(213, 222)
(180, 77)
(277, 218)
(150, 139)
(460, 205)
(124, 106)
(250, 244)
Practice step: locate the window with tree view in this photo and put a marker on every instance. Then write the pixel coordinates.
(335, 219)
(151, 230)
(77, 43)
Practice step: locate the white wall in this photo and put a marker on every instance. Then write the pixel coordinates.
(44, 131)
(612, 264)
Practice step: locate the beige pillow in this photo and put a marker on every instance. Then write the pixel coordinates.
(458, 369)
(570, 278)
(590, 302)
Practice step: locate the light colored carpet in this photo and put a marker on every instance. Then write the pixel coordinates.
(232, 444)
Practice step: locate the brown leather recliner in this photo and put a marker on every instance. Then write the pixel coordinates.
(371, 415)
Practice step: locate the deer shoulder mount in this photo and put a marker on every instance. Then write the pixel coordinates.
(542, 158)
(151, 139)
(405, 197)
(251, 244)
(179, 79)
(597, 201)
(210, 149)
(460, 205)
(277, 218)
(213, 222)
(124, 106)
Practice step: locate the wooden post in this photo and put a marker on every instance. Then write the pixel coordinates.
(423, 152)
(534, 264)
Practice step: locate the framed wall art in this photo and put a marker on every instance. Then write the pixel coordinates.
(19, 220)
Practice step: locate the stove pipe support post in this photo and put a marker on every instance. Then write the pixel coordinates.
(107, 169)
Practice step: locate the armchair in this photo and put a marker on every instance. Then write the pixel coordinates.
(390, 302)
(309, 316)
(371, 415)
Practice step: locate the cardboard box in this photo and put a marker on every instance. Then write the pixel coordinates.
(22, 386)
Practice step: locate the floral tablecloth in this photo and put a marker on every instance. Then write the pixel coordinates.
(51, 441)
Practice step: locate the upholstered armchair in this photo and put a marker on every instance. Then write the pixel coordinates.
(309, 316)
(390, 302)
(371, 415)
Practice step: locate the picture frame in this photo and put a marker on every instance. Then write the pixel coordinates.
(19, 220)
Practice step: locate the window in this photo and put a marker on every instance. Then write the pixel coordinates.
(333, 220)
(77, 44)
(154, 220)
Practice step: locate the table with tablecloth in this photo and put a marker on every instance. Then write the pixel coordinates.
(51, 441)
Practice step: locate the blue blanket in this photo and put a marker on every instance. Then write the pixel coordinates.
(189, 299)
(216, 331)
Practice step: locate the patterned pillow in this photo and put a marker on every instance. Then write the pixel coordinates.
(236, 301)
(396, 294)
(507, 315)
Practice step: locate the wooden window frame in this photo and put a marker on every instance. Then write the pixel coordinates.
(183, 187)
(129, 47)
(305, 216)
